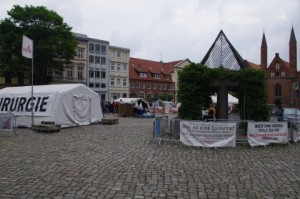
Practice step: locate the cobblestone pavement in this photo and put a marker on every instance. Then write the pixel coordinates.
(123, 161)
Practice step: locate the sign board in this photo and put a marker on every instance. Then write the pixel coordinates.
(207, 134)
(264, 133)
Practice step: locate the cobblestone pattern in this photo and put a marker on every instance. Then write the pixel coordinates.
(122, 161)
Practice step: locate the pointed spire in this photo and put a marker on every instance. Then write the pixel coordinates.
(264, 42)
(293, 37)
(264, 53)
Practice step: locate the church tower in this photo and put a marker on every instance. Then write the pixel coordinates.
(264, 53)
(293, 50)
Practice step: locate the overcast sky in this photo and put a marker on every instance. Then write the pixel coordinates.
(177, 29)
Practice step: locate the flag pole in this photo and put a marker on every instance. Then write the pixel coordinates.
(32, 116)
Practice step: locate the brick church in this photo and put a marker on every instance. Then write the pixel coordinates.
(282, 76)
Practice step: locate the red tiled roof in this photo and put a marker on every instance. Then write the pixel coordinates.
(253, 65)
(150, 67)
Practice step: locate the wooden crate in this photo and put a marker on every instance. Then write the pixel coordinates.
(109, 121)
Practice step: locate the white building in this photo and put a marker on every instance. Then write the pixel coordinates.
(119, 72)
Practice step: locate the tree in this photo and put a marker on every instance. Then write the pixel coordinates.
(53, 40)
(194, 95)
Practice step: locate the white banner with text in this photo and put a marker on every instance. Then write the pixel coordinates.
(264, 133)
(22, 104)
(207, 134)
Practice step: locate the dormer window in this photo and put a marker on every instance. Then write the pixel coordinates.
(156, 76)
(143, 75)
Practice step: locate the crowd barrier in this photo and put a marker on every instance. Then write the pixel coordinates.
(168, 130)
(8, 122)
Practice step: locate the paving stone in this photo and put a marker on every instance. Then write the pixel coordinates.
(123, 161)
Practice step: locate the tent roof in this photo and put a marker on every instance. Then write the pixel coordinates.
(41, 88)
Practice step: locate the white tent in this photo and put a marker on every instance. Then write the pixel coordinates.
(131, 100)
(231, 99)
(65, 104)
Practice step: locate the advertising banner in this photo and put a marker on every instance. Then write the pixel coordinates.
(264, 133)
(21, 104)
(207, 134)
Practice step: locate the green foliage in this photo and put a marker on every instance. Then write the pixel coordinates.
(193, 93)
(53, 41)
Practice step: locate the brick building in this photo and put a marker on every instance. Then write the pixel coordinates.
(282, 76)
(151, 79)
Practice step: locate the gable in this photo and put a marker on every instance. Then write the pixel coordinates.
(223, 54)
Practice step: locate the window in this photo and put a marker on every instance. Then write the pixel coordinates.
(112, 66)
(103, 49)
(143, 86)
(168, 77)
(97, 74)
(118, 81)
(142, 95)
(97, 59)
(132, 85)
(282, 74)
(118, 67)
(91, 47)
(124, 82)
(103, 60)
(154, 87)
(91, 85)
(91, 73)
(143, 75)
(97, 46)
(165, 86)
(97, 85)
(58, 70)
(159, 86)
(138, 85)
(118, 54)
(112, 81)
(277, 90)
(91, 59)
(272, 74)
(277, 66)
(277, 74)
(115, 95)
(125, 67)
(79, 71)
(149, 86)
(103, 85)
(103, 74)
(156, 76)
(70, 71)
(80, 53)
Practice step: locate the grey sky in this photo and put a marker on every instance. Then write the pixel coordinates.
(177, 29)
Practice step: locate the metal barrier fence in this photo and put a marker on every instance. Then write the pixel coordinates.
(166, 130)
(8, 122)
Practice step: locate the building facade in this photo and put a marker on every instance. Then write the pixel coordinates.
(151, 79)
(282, 76)
(76, 71)
(98, 67)
(119, 72)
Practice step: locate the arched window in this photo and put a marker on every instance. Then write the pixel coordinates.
(277, 90)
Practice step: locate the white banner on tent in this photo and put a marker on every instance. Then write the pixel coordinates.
(264, 133)
(21, 104)
(207, 134)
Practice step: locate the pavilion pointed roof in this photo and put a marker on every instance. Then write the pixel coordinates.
(223, 54)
